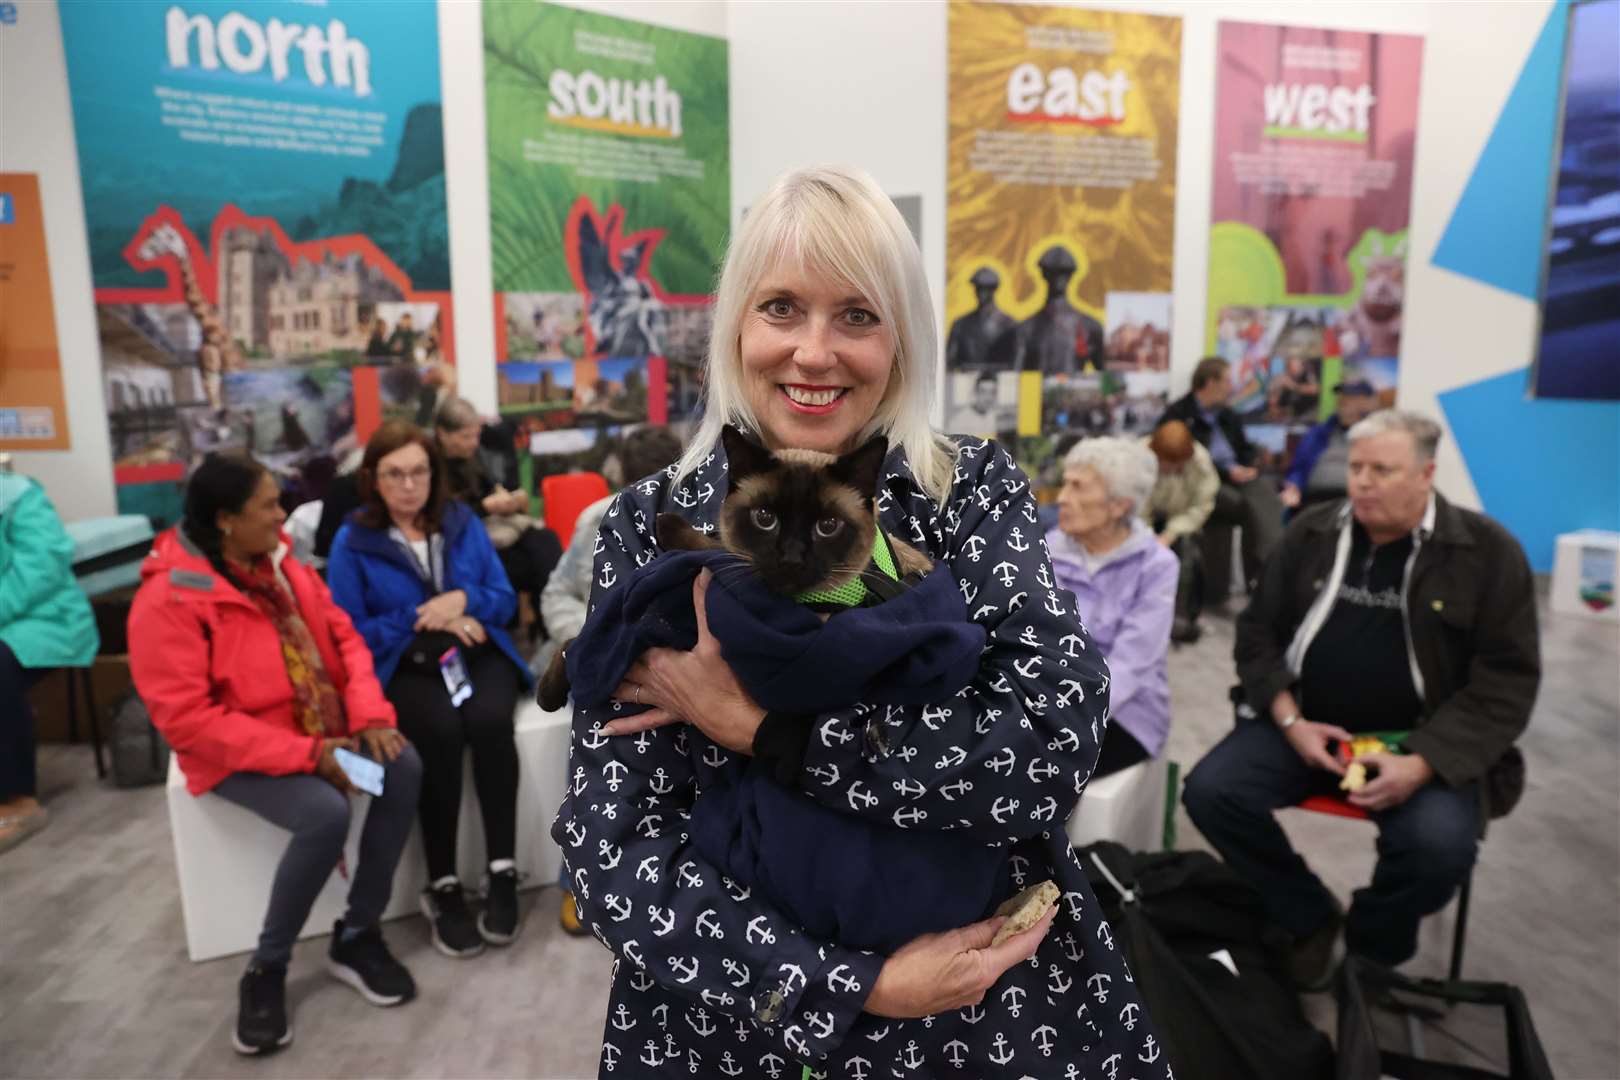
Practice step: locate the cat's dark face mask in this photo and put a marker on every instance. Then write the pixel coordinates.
(805, 525)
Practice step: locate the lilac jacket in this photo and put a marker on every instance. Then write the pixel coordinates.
(1127, 600)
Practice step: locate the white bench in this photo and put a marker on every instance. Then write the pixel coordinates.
(226, 856)
(1126, 807)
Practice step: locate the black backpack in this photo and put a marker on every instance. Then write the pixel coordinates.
(139, 754)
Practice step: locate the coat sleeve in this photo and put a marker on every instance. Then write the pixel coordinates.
(1008, 756)
(1476, 725)
(170, 663)
(1266, 626)
(490, 598)
(650, 896)
(364, 702)
(1141, 645)
(1206, 485)
(40, 549)
(562, 601)
(381, 629)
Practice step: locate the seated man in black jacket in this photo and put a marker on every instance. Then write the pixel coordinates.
(1391, 612)
(1246, 499)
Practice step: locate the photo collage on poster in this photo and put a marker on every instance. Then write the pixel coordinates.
(1060, 224)
(269, 248)
(1314, 137)
(607, 223)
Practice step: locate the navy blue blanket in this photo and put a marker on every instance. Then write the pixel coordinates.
(916, 649)
(841, 878)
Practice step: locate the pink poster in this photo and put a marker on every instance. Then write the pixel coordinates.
(1312, 195)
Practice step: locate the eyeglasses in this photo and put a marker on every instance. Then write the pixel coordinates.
(401, 477)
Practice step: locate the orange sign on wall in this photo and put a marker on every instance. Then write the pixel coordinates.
(33, 411)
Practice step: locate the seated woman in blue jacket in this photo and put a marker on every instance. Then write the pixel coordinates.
(416, 571)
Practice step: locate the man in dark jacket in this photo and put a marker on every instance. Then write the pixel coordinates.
(1392, 612)
(1246, 499)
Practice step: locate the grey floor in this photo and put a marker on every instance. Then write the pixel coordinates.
(94, 980)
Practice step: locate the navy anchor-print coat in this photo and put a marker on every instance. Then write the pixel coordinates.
(710, 981)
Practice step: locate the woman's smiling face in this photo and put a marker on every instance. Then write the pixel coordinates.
(816, 360)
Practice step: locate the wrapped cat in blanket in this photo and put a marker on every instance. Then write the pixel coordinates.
(814, 606)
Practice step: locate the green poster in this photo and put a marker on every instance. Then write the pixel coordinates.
(610, 197)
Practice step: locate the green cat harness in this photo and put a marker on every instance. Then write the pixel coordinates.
(881, 581)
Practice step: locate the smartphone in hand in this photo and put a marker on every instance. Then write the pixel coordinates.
(366, 775)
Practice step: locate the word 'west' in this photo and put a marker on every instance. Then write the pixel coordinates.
(1315, 109)
(640, 108)
(1092, 98)
(245, 47)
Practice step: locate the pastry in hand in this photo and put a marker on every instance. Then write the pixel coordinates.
(1025, 910)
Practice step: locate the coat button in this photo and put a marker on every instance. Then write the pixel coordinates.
(877, 744)
(1439, 605)
(772, 1010)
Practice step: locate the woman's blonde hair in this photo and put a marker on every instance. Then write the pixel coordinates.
(832, 220)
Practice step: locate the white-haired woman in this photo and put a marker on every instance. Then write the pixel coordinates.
(823, 336)
(1125, 582)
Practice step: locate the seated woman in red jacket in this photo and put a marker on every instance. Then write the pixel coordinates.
(257, 678)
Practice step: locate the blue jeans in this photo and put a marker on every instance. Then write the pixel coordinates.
(1426, 845)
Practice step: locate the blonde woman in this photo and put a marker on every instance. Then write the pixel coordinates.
(824, 335)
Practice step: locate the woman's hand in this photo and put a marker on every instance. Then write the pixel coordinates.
(468, 630)
(939, 972)
(327, 768)
(696, 687)
(439, 612)
(382, 744)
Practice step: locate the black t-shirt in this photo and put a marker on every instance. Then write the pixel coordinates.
(1356, 672)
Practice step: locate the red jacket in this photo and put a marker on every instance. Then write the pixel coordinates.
(208, 665)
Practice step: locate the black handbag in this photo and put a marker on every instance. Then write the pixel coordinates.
(139, 754)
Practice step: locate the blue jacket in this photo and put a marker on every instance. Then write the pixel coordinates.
(375, 582)
(1310, 448)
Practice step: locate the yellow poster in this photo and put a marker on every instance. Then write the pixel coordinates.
(33, 413)
(1060, 221)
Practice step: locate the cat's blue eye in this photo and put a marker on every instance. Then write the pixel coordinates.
(764, 520)
(829, 527)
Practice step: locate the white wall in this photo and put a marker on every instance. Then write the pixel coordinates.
(866, 83)
(36, 135)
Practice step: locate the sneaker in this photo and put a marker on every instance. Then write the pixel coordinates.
(501, 921)
(454, 932)
(1185, 631)
(365, 963)
(261, 1011)
(1311, 964)
(569, 916)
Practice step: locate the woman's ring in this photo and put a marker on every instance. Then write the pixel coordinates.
(638, 693)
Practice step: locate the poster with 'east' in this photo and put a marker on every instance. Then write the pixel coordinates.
(1060, 222)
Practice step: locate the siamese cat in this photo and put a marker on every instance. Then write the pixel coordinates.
(804, 522)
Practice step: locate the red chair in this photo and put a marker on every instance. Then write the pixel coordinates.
(566, 496)
(1328, 804)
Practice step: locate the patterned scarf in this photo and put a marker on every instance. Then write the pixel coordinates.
(316, 701)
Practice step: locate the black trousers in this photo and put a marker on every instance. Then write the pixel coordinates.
(441, 732)
(529, 561)
(1120, 751)
(17, 776)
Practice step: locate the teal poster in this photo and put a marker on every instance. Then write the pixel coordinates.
(264, 191)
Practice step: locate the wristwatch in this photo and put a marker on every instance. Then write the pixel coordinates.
(1288, 721)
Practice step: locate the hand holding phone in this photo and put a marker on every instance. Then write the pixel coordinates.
(366, 775)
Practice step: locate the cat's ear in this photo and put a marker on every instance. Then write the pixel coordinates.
(861, 468)
(744, 457)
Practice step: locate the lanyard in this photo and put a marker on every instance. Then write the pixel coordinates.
(430, 572)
